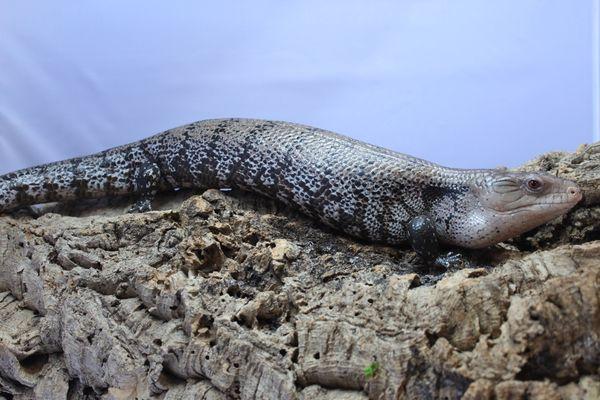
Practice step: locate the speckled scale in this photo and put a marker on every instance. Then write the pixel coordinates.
(359, 188)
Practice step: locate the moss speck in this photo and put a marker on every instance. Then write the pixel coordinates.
(371, 369)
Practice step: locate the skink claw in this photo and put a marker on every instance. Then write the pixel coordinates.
(450, 260)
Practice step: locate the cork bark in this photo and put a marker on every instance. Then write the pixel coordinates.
(226, 295)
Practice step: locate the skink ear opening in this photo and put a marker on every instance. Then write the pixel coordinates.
(506, 185)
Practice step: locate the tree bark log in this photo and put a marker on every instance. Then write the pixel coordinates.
(228, 295)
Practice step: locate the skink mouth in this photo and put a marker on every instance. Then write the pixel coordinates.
(572, 197)
(557, 201)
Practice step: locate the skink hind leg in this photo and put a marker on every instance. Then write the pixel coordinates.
(147, 182)
(142, 204)
(425, 243)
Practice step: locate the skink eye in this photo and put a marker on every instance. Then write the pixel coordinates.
(534, 184)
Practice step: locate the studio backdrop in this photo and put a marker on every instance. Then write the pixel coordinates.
(463, 83)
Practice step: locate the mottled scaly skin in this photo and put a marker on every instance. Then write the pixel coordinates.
(363, 190)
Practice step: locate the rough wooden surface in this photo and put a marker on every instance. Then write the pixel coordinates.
(226, 295)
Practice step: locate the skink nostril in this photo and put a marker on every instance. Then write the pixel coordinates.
(574, 190)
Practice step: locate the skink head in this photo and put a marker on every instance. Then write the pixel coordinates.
(536, 196)
(510, 203)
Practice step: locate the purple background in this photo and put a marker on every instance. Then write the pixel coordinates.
(464, 83)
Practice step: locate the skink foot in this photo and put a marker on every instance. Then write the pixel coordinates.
(144, 204)
(450, 260)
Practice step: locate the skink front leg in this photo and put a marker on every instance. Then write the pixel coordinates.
(425, 243)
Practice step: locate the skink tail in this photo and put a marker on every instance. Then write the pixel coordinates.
(99, 175)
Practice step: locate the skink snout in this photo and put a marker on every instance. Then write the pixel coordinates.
(575, 193)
